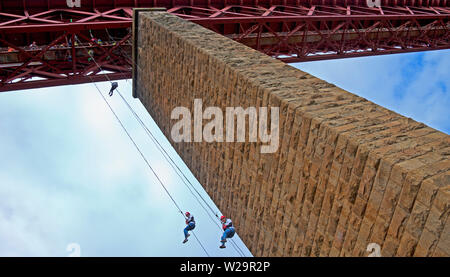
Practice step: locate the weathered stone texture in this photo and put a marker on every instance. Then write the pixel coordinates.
(347, 172)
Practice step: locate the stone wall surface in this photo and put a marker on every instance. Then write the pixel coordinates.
(347, 172)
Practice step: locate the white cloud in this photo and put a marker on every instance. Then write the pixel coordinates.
(72, 175)
(416, 85)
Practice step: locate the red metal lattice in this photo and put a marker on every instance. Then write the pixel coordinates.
(291, 31)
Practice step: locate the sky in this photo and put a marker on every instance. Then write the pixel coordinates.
(69, 174)
(416, 85)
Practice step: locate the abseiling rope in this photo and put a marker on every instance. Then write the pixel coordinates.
(143, 156)
(167, 156)
(178, 171)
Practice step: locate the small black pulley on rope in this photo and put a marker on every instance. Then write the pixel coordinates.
(114, 85)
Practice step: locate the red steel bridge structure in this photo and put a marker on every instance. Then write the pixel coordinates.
(59, 42)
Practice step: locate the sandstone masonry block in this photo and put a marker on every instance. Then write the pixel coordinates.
(347, 172)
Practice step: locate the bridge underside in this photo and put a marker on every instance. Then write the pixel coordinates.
(292, 31)
(347, 172)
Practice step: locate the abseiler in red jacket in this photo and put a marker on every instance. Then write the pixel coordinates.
(229, 231)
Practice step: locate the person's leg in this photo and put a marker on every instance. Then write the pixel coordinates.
(188, 228)
(224, 238)
(231, 233)
(191, 226)
(186, 232)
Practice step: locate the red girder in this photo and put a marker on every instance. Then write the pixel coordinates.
(290, 30)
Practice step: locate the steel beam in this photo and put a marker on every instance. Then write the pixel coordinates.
(289, 30)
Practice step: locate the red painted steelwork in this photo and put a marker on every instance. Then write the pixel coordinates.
(290, 30)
